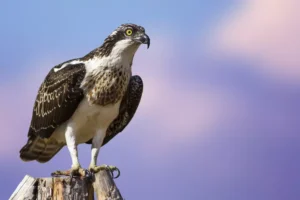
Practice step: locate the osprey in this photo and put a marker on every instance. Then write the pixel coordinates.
(87, 100)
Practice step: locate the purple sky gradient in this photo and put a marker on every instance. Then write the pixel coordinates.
(214, 123)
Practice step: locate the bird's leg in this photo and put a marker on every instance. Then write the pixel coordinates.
(71, 143)
(96, 145)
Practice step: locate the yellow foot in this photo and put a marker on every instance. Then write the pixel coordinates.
(110, 168)
(74, 171)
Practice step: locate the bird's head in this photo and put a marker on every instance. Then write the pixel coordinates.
(124, 40)
(130, 34)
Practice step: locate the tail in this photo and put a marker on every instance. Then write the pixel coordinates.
(39, 149)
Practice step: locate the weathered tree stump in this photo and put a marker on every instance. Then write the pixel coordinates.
(105, 188)
(63, 188)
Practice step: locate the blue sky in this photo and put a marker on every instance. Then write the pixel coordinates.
(219, 117)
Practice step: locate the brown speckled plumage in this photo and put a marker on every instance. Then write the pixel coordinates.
(67, 84)
(128, 107)
(107, 86)
(57, 100)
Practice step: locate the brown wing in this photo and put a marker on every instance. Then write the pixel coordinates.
(57, 100)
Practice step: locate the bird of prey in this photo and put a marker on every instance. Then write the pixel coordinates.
(87, 100)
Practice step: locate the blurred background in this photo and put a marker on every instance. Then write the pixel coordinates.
(220, 114)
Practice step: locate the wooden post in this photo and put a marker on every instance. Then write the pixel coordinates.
(62, 188)
(105, 188)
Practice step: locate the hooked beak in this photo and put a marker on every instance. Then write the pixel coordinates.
(144, 39)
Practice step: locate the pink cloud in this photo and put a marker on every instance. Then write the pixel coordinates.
(16, 106)
(266, 31)
(178, 107)
(12, 118)
(183, 111)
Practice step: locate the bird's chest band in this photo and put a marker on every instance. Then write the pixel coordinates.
(107, 87)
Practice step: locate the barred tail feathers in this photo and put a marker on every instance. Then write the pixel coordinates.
(39, 149)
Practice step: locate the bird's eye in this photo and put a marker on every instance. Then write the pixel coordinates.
(128, 32)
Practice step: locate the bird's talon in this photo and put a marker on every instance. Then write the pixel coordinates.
(110, 168)
(118, 174)
(72, 172)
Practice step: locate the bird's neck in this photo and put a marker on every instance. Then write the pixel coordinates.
(124, 49)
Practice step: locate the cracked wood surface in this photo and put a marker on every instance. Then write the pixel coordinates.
(62, 188)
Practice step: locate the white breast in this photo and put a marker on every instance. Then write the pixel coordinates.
(87, 120)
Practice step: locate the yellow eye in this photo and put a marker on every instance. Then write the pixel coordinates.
(129, 32)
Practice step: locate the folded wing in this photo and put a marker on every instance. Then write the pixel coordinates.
(57, 100)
